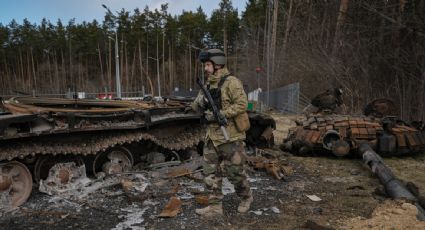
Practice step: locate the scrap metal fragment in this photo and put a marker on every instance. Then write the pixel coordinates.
(126, 184)
(70, 181)
(314, 198)
(275, 209)
(134, 184)
(272, 166)
(172, 170)
(172, 208)
(64, 177)
(202, 199)
(178, 172)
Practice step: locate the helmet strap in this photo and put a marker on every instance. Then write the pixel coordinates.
(217, 67)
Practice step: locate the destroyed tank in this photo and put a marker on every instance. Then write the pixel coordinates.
(340, 134)
(50, 137)
(372, 135)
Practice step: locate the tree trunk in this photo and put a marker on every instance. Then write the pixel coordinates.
(126, 78)
(342, 14)
(50, 75)
(133, 83)
(268, 51)
(185, 69)
(141, 65)
(79, 79)
(102, 81)
(265, 38)
(421, 115)
(30, 83)
(66, 83)
(163, 62)
(147, 58)
(273, 39)
(288, 26)
(109, 65)
(55, 61)
(224, 34)
(21, 79)
(170, 75)
(8, 75)
(121, 64)
(190, 62)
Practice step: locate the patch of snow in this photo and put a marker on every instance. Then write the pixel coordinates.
(227, 187)
(134, 217)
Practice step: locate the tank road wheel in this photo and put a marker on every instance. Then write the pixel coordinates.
(45, 163)
(15, 184)
(113, 161)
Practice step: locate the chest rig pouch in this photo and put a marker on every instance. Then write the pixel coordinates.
(216, 94)
(242, 120)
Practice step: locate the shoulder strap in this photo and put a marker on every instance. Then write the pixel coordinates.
(222, 80)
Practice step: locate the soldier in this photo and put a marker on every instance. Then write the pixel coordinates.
(223, 157)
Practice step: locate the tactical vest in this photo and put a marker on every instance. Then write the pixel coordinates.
(216, 93)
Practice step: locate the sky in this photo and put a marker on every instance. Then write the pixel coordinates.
(87, 10)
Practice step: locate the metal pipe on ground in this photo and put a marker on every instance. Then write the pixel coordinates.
(393, 186)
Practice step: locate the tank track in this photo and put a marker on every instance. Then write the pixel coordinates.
(46, 138)
(92, 144)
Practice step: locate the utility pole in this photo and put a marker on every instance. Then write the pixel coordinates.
(117, 67)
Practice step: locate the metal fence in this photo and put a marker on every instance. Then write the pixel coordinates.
(70, 94)
(287, 99)
(185, 93)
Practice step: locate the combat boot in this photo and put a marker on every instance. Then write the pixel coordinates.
(210, 211)
(245, 204)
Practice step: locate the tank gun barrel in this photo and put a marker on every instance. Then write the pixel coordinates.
(393, 186)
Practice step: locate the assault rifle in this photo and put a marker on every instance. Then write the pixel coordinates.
(221, 120)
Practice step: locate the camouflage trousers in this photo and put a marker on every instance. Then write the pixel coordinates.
(226, 160)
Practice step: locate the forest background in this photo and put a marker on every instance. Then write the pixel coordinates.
(369, 48)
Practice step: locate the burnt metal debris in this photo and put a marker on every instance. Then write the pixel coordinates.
(393, 186)
(330, 101)
(337, 134)
(377, 132)
(49, 140)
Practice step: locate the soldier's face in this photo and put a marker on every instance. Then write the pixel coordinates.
(209, 68)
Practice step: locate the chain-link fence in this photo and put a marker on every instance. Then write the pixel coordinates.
(287, 99)
(81, 95)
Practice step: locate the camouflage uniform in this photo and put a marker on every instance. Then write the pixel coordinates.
(221, 157)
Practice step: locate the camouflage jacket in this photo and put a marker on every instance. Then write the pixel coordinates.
(233, 103)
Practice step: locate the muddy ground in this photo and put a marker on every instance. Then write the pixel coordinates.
(343, 195)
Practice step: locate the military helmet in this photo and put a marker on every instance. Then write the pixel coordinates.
(215, 55)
